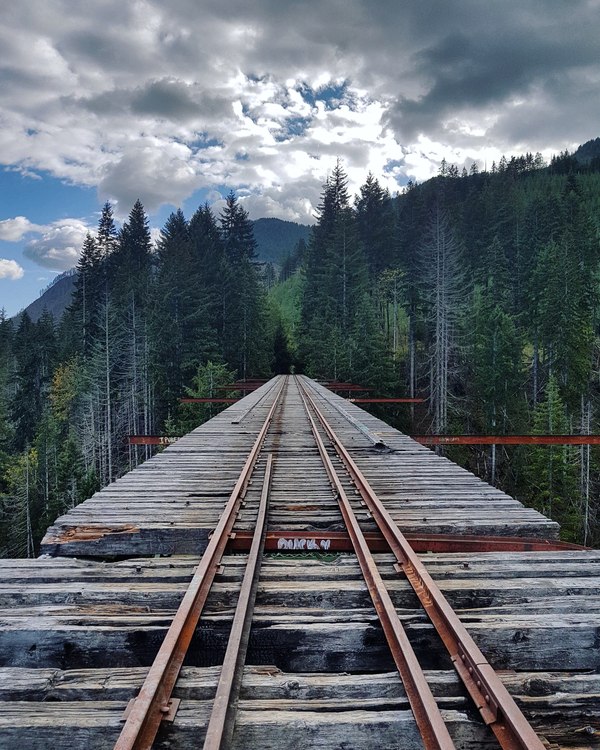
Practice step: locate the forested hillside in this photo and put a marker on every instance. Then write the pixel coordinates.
(477, 291)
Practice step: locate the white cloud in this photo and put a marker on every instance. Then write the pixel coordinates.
(13, 230)
(59, 246)
(10, 269)
(172, 97)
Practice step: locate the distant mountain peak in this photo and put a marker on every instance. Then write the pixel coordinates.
(588, 151)
(277, 238)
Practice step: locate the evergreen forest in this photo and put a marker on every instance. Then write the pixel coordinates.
(478, 291)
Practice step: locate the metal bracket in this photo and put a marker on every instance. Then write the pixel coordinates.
(169, 711)
(475, 674)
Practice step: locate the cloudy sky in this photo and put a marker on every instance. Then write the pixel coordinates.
(177, 101)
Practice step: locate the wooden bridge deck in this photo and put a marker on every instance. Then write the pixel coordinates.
(80, 626)
(170, 504)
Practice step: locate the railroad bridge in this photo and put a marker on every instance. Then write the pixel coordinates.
(296, 573)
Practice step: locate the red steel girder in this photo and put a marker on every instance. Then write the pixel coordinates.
(386, 400)
(339, 541)
(507, 439)
(208, 400)
(152, 439)
(348, 388)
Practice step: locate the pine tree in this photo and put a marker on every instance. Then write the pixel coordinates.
(181, 328)
(209, 255)
(87, 295)
(34, 352)
(130, 271)
(376, 226)
(336, 279)
(237, 232)
(18, 507)
(552, 470)
(6, 362)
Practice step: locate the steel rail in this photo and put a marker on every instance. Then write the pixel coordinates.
(152, 702)
(221, 724)
(494, 702)
(372, 437)
(240, 419)
(427, 715)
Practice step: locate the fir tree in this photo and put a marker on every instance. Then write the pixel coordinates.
(236, 231)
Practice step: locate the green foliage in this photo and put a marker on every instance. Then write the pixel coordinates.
(497, 358)
(236, 231)
(286, 297)
(205, 383)
(552, 470)
(336, 279)
(19, 506)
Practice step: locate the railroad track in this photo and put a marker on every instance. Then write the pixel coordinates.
(492, 700)
(302, 486)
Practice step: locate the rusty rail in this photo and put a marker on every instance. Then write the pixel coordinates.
(495, 704)
(222, 719)
(153, 701)
(426, 712)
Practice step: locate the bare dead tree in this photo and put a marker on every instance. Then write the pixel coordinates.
(442, 278)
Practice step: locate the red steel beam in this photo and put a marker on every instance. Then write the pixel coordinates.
(507, 439)
(340, 384)
(339, 541)
(152, 439)
(349, 388)
(386, 400)
(208, 400)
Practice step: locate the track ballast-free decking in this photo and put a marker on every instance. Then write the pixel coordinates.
(80, 626)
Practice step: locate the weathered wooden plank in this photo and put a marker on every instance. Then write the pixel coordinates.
(87, 704)
(543, 690)
(310, 640)
(75, 726)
